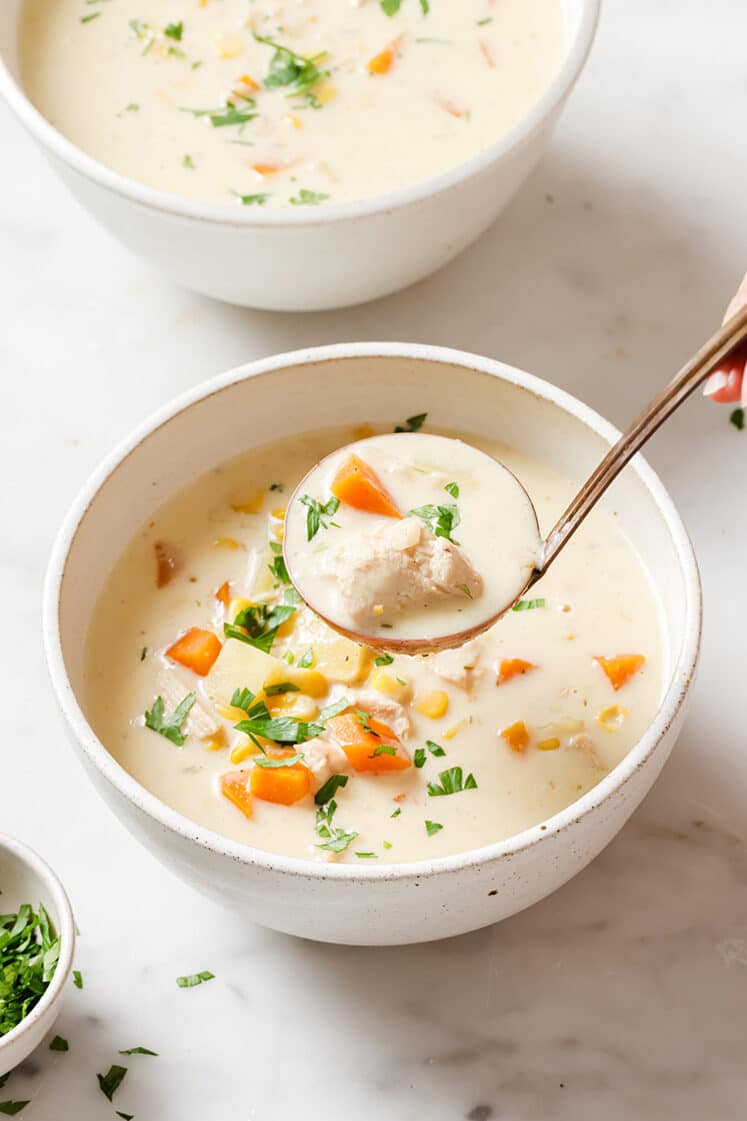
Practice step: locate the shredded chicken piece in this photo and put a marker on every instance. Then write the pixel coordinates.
(324, 759)
(585, 744)
(460, 666)
(200, 722)
(396, 566)
(382, 708)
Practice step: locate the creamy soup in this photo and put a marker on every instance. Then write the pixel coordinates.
(287, 104)
(231, 702)
(410, 537)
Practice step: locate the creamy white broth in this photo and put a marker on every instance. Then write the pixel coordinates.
(117, 76)
(391, 578)
(597, 601)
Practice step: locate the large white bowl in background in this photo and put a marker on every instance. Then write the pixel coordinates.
(339, 385)
(360, 250)
(26, 878)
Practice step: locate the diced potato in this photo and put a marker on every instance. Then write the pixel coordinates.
(398, 690)
(309, 681)
(343, 661)
(432, 703)
(238, 666)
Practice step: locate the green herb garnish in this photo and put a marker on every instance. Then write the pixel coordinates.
(279, 487)
(383, 749)
(258, 624)
(91, 16)
(193, 979)
(139, 1051)
(259, 722)
(334, 709)
(10, 1109)
(383, 660)
(397, 812)
(367, 855)
(280, 688)
(29, 950)
(453, 489)
(433, 827)
(295, 73)
(271, 764)
(170, 727)
(333, 838)
(364, 719)
(452, 782)
(307, 659)
(226, 115)
(307, 198)
(434, 748)
(440, 520)
(737, 419)
(484, 21)
(174, 30)
(59, 1044)
(419, 757)
(330, 788)
(413, 423)
(188, 162)
(77, 979)
(112, 1080)
(528, 604)
(317, 512)
(254, 200)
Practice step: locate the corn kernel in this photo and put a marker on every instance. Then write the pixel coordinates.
(432, 704)
(293, 121)
(252, 505)
(241, 751)
(390, 686)
(227, 543)
(217, 741)
(343, 661)
(279, 514)
(612, 718)
(325, 91)
(549, 745)
(454, 730)
(232, 713)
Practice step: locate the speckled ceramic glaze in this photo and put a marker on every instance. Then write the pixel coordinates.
(361, 250)
(26, 878)
(342, 385)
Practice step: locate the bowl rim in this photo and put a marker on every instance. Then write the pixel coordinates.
(682, 667)
(65, 924)
(248, 217)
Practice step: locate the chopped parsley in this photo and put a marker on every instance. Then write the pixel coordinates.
(434, 748)
(295, 73)
(451, 781)
(397, 812)
(29, 950)
(737, 419)
(433, 827)
(125, 1116)
(413, 423)
(334, 839)
(10, 1109)
(227, 115)
(257, 625)
(192, 979)
(133, 107)
(419, 758)
(317, 512)
(391, 7)
(279, 487)
(112, 1080)
(383, 660)
(453, 489)
(277, 567)
(271, 763)
(59, 1044)
(484, 21)
(387, 844)
(465, 588)
(258, 199)
(307, 659)
(307, 198)
(89, 17)
(143, 653)
(280, 729)
(329, 789)
(528, 604)
(334, 709)
(364, 719)
(440, 520)
(170, 727)
(174, 31)
(367, 855)
(383, 749)
(77, 979)
(188, 162)
(139, 1051)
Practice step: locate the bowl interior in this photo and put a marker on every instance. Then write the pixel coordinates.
(376, 384)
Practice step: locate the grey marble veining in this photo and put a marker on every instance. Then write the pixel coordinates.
(624, 995)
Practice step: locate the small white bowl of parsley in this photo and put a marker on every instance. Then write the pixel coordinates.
(37, 943)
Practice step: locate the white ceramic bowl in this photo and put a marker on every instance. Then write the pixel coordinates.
(26, 878)
(360, 250)
(343, 385)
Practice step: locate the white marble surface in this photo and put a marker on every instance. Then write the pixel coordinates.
(625, 994)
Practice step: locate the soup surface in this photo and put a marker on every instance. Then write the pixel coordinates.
(341, 754)
(286, 104)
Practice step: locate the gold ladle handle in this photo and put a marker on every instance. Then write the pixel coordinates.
(693, 374)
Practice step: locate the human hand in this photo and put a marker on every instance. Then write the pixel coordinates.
(728, 382)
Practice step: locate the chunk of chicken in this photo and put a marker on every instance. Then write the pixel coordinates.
(324, 759)
(200, 722)
(382, 708)
(396, 566)
(459, 666)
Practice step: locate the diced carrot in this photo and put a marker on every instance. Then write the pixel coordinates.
(266, 169)
(516, 736)
(381, 63)
(368, 750)
(197, 650)
(168, 562)
(356, 484)
(223, 593)
(233, 785)
(282, 785)
(620, 669)
(512, 667)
